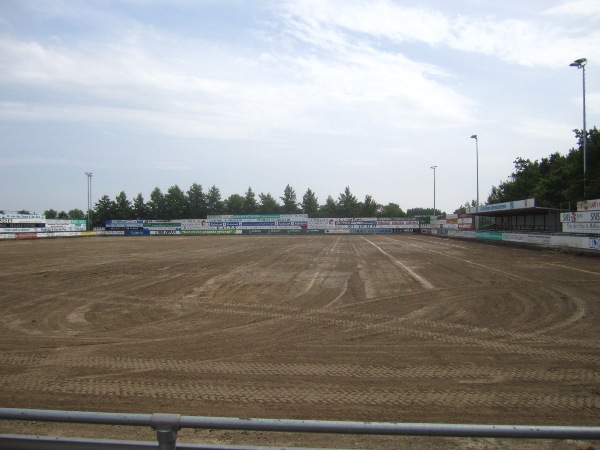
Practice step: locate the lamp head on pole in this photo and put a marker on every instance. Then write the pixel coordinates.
(579, 63)
(434, 167)
(474, 137)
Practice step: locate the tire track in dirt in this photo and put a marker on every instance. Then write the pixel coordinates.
(327, 394)
(415, 276)
(319, 316)
(481, 374)
(462, 259)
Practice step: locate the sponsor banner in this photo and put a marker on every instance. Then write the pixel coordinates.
(355, 223)
(585, 216)
(141, 232)
(79, 221)
(19, 230)
(581, 227)
(256, 216)
(22, 225)
(27, 217)
(123, 228)
(512, 237)
(188, 222)
(21, 221)
(337, 231)
(397, 224)
(111, 233)
(369, 230)
(465, 226)
(406, 230)
(464, 234)
(157, 228)
(55, 229)
(162, 232)
(519, 204)
(538, 239)
(130, 224)
(452, 220)
(59, 222)
(26, 235)
(208, 231)
(450, 226)
(280, 231)
(489, 235)
(88, 233)
(99, 229)
(594, 243)
(7, 235)
(161, 225)
(59, 234)
(588, 205)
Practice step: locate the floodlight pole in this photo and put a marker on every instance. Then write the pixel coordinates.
(434, 167)
(89, 200)
(580, 64)
(477, 163)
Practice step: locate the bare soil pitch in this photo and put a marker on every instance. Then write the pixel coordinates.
(366, 328)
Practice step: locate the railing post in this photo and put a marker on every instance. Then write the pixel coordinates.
(166, 426)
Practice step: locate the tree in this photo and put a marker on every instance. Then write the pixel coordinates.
(175, 203)
(234, 204)
(348, 204)
(310, 203)
(122, 209)
(157, 206)
(63, 215)
(290, 204)
(391, 210)
(329, 209)
(369, 207)
(268, 205)
(414, 212)
(76, 214)
(50, 214)
(103, 210)
(196, 201)
(24, 212)
(214, 205)
(250, 205)
(139, 209)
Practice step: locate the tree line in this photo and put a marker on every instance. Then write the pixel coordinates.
(556, 181)
(195, 203)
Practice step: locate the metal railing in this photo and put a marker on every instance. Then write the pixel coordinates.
(167, 426)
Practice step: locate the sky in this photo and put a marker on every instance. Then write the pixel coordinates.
(317, 94)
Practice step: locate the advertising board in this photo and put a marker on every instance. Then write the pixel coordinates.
(518, 204)
(136, 232)
(588, 205)
(162, 232)
(27, 217)
(124, 224)
(489, 235)
(581, 227)
(580, 216)
(208, 232)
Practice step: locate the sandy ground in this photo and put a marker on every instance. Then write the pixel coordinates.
(403, 328)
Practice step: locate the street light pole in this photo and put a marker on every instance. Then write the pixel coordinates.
(89, 200)
(434, 167)
(580, 64)
(477, 163)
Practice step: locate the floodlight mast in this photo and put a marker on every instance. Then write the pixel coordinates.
(477, 163)
(580, 64)
(434, 167)
(89, 200)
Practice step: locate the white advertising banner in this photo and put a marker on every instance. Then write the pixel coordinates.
(588, 205)
(581, 227)
(584, 216)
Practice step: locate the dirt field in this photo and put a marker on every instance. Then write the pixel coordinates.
(401, 328)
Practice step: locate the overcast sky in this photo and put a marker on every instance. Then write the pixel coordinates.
(318, 94)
